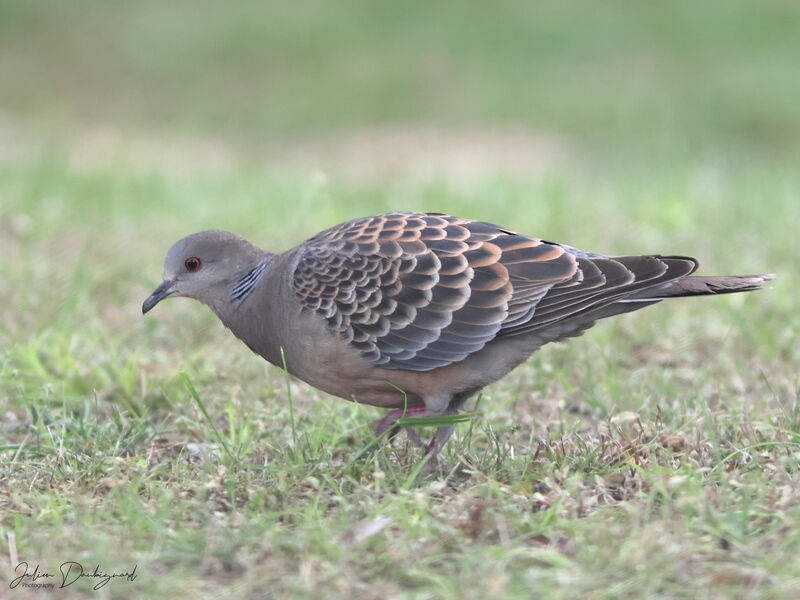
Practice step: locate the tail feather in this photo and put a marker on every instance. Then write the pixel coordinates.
(701, 286)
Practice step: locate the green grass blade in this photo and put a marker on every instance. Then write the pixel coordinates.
(289, 399)
(199, 402)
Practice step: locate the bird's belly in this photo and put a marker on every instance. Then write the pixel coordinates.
(318, 357)
(343, 372)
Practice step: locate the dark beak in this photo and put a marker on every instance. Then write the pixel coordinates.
(163, 290)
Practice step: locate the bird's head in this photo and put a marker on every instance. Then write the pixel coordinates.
(203, 266)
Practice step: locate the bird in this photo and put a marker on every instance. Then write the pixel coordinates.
(416, 312)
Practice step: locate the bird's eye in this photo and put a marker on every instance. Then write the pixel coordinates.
(192, 264)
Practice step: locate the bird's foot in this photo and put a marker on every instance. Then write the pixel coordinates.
(433, 463)
(432, 448)
(439, 440)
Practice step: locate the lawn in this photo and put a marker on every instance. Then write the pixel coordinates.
(654, 457)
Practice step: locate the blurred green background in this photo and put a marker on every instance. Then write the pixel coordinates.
(616, 127)
(667, 77)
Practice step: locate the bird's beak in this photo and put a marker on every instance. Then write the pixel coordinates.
(164, 289)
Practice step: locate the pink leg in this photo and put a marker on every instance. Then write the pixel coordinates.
(389, 420)
(439, 439)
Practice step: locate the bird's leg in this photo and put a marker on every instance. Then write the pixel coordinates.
(389, 421)
(444, 432)
(439, 440)
(432, 462)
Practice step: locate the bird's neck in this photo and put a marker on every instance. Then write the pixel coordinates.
(253, 303)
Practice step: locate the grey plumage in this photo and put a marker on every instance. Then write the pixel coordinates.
(435, 305)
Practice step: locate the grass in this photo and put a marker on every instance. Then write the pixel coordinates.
(654, 457)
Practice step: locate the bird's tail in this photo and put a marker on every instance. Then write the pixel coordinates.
(691, 285)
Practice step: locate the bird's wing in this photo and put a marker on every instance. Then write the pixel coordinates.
(598, 282)
(419, 291)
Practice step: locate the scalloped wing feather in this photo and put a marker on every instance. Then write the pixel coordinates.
(419, 291)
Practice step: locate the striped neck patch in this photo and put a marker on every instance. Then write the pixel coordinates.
(245, 285)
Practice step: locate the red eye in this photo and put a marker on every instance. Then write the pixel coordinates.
(192, 264)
